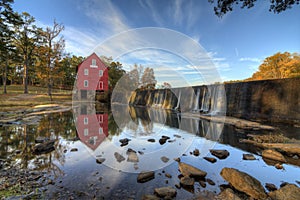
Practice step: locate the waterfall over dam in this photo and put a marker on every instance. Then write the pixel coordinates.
(267, 100)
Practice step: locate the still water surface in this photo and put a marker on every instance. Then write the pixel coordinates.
(77, 174)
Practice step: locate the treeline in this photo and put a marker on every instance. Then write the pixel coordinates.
(33, 55)
(278, 66)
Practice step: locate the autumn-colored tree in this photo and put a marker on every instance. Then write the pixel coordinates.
(277, 66)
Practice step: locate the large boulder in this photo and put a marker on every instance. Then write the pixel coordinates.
(244, 182)
(289, 191)
(191, 171)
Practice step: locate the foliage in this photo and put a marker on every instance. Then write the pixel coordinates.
(8, 18)
(142, 78)
(148, 80)
(50, 52)
(26, 40)
(279, 65)
(276, 6)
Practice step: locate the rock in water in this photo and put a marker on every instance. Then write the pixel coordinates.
(210, 159)
(244, 183)
(191, 171)
(227, 194)
(273, 155)
(119, 157)
(289, 191)
(100, 160)
(270, 187)
(165, 192)
(132, 156)
(221, 154)
(196, 152)
(124, 141)
(187, 181)
(45, 147)
(145, 176)
(248, 156)
(164, 159)
(150, 197)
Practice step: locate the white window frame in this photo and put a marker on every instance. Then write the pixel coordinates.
(86, 120)
(86, 83)
(86, 132)
(94, 62)
(100, 72)
(86, 72)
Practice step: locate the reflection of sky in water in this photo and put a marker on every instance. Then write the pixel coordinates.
(77, 171)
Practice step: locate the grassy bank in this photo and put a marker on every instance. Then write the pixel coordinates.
(16, 99)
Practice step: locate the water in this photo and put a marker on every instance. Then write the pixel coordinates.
(76, 173)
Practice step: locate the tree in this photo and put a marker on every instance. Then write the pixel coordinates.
(115, 72)
(8, 18)
(277, 66)
(276, 6)
(53, 49)
(148, 80)
(66, 70)
(26, 40)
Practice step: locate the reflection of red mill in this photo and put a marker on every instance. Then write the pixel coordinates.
(92, 129)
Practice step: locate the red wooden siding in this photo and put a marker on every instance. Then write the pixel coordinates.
(87, 72)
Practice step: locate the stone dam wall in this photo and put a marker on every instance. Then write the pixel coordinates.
(266, 101)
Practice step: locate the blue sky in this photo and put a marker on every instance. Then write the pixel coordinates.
(236, 43)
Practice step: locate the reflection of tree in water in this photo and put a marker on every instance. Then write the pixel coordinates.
(21, 139)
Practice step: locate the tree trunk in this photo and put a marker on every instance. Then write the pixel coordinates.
(25, 77)
(5, 78)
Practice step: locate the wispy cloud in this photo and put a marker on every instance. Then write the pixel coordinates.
(152, 11)
(107, 20)
(258, 60)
